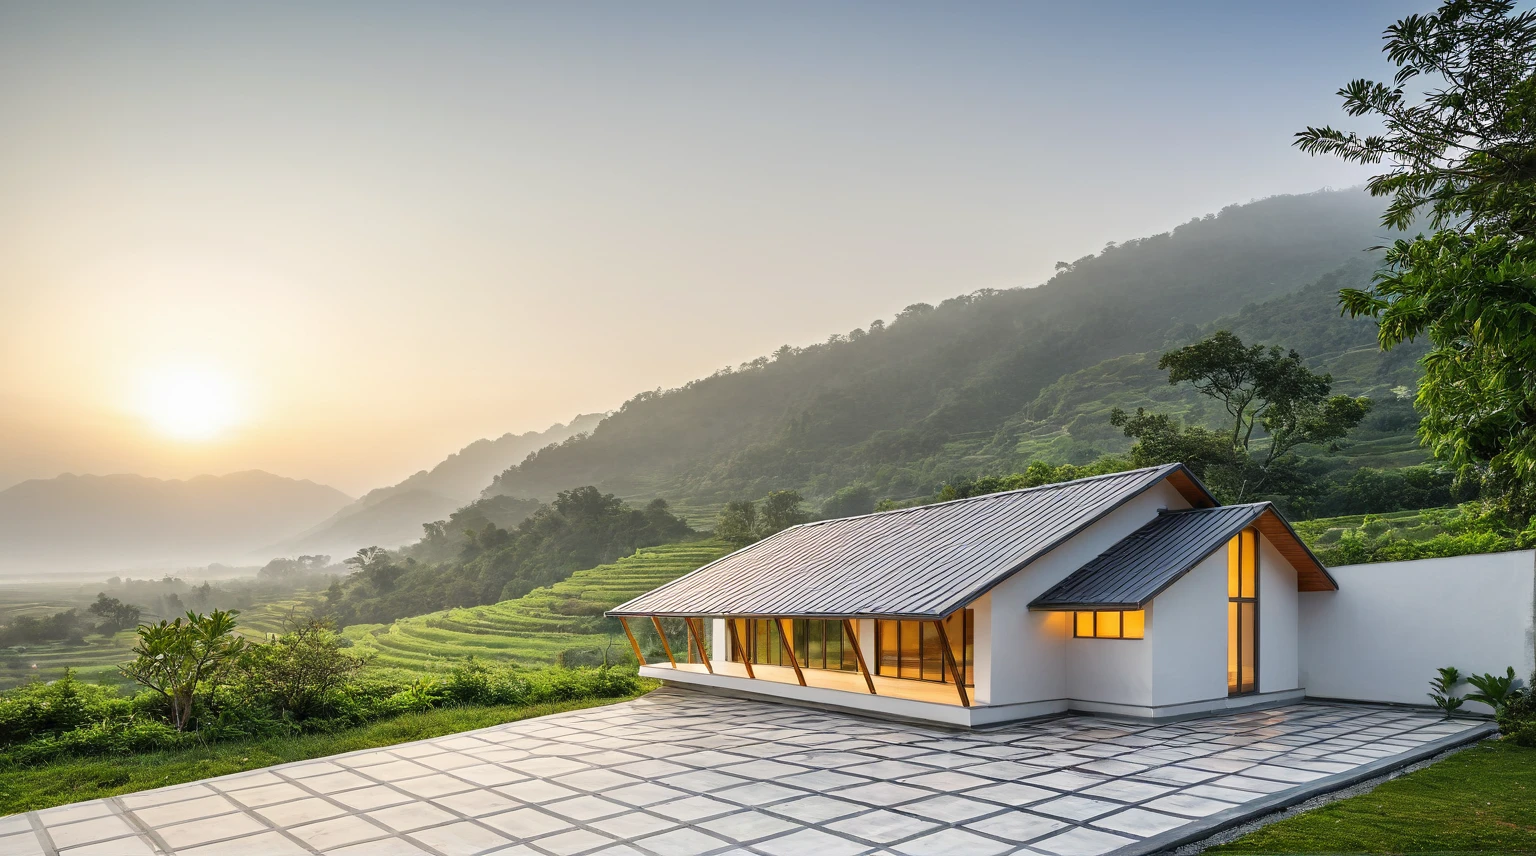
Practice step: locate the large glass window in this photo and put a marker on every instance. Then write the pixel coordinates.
(1110, 624)
(913, 649)
(818, 643)
(1243, 612)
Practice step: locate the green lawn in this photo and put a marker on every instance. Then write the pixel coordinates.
(1480, 800)
(27, 789)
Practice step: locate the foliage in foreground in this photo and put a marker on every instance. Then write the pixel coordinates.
(68, 780)
(1462, 152)
(205, 685)
(1479, 800)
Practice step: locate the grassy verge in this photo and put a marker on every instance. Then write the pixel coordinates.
(1480, 800)
(27, 789)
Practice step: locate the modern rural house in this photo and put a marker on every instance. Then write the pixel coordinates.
(1133, 594)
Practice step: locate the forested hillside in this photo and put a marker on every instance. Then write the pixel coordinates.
(988, 381)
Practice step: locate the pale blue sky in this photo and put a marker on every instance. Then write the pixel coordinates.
(401, 226)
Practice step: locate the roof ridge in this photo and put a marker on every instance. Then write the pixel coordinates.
(1215, 507)
(1167, 468)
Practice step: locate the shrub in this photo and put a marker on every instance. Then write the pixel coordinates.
(1441, 690)
(1493, 690)
(37, 709)
(1517, 720)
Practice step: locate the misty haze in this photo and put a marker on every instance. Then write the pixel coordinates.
(373, 374)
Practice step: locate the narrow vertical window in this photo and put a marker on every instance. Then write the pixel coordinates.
(1243, 613)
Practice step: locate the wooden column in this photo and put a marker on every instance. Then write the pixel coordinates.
(790, 650)
(698, 639)
(853, 636)
(664, 646)
(741, 650)
(949, 659)
(636, 645)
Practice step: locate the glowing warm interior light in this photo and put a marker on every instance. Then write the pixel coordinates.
(189, 403)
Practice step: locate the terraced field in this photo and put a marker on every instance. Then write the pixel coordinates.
(560, 623)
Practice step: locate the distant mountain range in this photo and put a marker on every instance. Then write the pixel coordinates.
(76, 524)
(990, 381)
(392, 516)
(84, 523)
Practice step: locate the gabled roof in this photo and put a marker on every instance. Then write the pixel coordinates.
(1141, 565)
(922, 562)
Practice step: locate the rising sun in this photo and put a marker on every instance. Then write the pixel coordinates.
(190, 403)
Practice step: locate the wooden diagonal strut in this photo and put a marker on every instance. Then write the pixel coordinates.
(949, 659)
(746, 657)
(698, 639)
(853, 637)
(664, 646)
(790, 650)
(636, 645)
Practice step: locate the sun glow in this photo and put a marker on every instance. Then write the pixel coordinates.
(190, 403)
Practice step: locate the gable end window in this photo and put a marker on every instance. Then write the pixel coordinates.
(1110, 624)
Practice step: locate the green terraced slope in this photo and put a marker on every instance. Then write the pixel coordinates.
(538, 627)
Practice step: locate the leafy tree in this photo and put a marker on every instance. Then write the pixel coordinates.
(781, 510)
(737, 522)
(1260, 388)
(115, 614)
(178, 660)
(849, 502)
(1463, 152)
(374, 565)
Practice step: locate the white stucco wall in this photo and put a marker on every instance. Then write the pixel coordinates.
(1279, 654)
(1390, 625)
(1028, 660)
(1188, 629)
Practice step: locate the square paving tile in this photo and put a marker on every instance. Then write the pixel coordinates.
(682, 842)
(808, 841)
(882, 827)
(89, 831)
(463, 838)
(953, 842)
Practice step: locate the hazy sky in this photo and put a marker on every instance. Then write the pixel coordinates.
(374, 232)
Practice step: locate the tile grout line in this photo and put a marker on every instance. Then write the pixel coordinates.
(156, 841)
(41, 831)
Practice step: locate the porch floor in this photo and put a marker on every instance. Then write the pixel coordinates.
(929, 691)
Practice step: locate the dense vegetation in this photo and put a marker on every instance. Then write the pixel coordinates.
(581, 528)
(204, 683)
(1462, 154)
(903, 407)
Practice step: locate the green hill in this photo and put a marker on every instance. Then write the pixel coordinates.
(987, 382)
(559, 623)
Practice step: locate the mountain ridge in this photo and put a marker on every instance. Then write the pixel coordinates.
(902, 406)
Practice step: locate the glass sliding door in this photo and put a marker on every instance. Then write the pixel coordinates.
(1243, 613)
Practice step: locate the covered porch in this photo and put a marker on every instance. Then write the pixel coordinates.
(864, 657)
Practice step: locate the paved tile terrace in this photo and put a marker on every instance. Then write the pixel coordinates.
(676, 773)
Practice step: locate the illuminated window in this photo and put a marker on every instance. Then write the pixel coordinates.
(1110, 624)
(818, 644)
(913, 649)
(1243, 612)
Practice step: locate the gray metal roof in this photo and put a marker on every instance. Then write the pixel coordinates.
(1138, 567)
(922, 562)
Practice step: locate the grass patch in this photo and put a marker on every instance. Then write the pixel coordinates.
(29, 789)
(1479, 800)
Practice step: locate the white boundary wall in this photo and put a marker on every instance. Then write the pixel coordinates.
(1390, 625)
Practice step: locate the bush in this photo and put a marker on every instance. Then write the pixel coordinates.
(1518, 718)
(36, 709)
